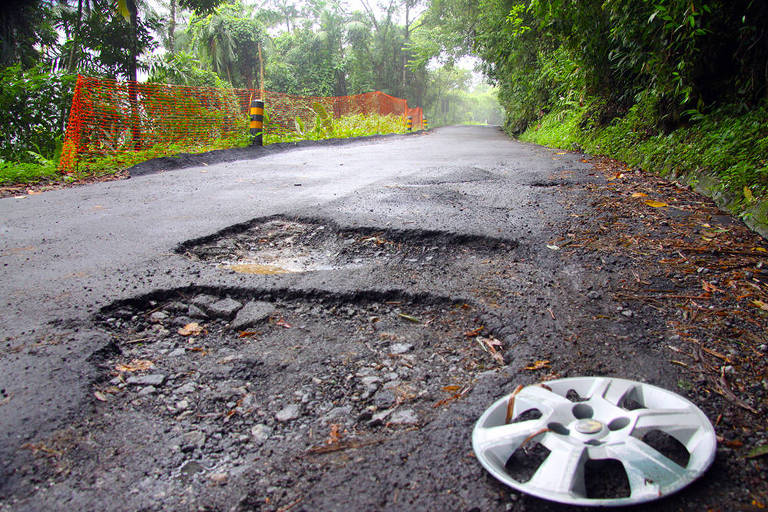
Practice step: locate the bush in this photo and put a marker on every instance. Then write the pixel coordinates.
(34, 107)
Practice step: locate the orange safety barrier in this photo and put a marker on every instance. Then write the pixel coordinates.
(110, 117)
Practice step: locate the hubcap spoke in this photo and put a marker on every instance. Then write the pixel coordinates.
(503, 440)
(648, 471)
(666, 420)
(539, 397)
(562, 471)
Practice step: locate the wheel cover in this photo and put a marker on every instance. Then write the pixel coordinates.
(599, 426)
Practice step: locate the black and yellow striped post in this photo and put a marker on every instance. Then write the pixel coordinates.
(257, 122)
(409, 123)
(425, 123)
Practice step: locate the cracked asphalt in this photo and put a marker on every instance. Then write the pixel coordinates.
(71, 258)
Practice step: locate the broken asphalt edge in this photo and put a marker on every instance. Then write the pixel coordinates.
(185, 160)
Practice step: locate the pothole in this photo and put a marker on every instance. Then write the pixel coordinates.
(223, 380)
(279, 245)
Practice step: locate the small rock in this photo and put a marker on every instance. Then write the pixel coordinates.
(157, 317)
(371, 383)
(189, 387)
(400, 348)
(219, 478)
(260, 433)
(342, 412)
(177, 352)
(147, 390)
(288, 413)
(191, 467)
(182, 405)
(252, 314)
(194, 438)
(159, 331)
(378, 418)
(593, 295)
(181, 321)
(195, 312)
(224, 308)
(404, 417)
(628, 313)
(384, 399)
(176, 307)
(154, 379)
(204, 300)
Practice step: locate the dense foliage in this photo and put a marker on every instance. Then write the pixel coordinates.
(302, 47)
(676, 86)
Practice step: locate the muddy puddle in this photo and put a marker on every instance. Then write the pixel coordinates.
(271, 392)
(282, 246)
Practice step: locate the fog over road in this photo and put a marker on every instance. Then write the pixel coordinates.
(491, 210)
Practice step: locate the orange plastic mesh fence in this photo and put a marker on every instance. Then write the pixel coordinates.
(110, 117)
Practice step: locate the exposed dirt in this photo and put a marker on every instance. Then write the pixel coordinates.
(23, 190)
(281, 246)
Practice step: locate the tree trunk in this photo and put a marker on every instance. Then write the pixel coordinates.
(407, 38)
(75, 37)
(132, 78)
(172, 28)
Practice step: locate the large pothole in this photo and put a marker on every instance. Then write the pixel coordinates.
(279, 245)
(259, 388)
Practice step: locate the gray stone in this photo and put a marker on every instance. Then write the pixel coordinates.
(379, 417)
(181, 321)
(342, 412)
(204, 300)
(194, 438)
(195, 312)
(224, 308)
(176, 307)
(404, 417)
(628, 313)
(157, 317)
(189, 387)
(288, 413)
(252, 314)
(400, 348)
(177, 352)
(147, 390)
(154, 379)
(593, 295)
(260, 433)
(384, 399)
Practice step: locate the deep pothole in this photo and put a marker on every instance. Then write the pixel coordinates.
(223, 381)
(279, 245)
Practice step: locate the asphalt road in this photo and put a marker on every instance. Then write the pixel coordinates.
(66, 254)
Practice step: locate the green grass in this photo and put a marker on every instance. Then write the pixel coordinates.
(729, 144)
(323, 127)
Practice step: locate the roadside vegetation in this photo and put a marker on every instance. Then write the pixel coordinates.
(673, 86)
(308, 48)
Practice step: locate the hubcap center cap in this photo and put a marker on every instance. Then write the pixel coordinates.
(588, 426)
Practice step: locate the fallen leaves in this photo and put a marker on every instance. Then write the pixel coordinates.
(136, 365)
(538, 365)
(492, 346)
(655, 204)
(758, 451)
(637, 195)
(191, 329)
(459, 394)
(511, 404)
(474, 332)
(282, 323)
(409, 318)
